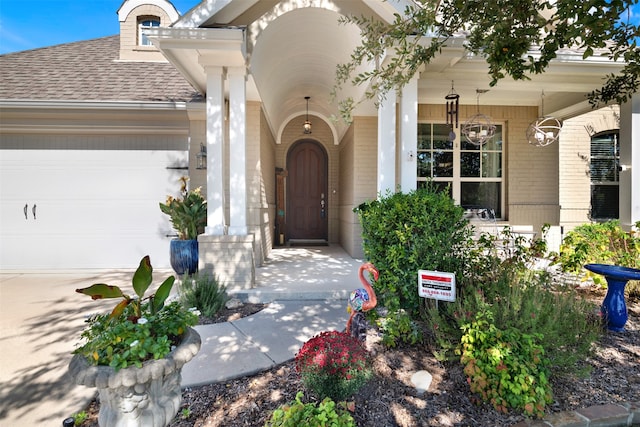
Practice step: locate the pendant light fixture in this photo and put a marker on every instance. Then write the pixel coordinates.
(307, 123)
(479, 128)
(545, 130)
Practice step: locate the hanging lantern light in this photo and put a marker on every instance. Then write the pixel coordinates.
(307, 124)
(479, 128)
(543, 131)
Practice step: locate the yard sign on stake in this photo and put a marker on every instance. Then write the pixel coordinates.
(437, 285)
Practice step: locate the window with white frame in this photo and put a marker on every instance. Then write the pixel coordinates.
(145, 23)
(472, 173)
(604, 173)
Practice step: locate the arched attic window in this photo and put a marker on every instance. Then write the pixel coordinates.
(604, 173)
(145, 23)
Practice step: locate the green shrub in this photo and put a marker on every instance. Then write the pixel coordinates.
(399, 327)
(505, 367)
(297, 414)
(204, 292)
(334, 364)
(601, 243)
(523, 300)
(406, 232)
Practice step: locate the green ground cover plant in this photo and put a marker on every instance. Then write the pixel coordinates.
(325, 413)
(505, 367)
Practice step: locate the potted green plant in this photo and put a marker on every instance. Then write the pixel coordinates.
(134, 354)
(188, 216)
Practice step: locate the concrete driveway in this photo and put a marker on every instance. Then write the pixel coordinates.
(41, 318)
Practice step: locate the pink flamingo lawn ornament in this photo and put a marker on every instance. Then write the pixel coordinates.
(360, 301)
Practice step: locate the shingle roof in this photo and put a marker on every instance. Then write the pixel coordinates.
(89, 71)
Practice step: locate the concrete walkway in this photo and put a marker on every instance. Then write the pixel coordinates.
(41, 318)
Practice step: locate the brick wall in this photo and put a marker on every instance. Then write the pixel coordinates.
(575, 148)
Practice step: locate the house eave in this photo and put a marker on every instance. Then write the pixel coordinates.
(92, 105)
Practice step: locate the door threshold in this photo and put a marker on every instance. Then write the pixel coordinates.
(308, 242)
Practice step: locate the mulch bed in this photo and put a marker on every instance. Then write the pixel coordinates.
(390, 399)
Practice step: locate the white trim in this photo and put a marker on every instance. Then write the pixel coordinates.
(93, 105)
(314, 113)
(237, 155)
(166, 6)
(216, 159)
(387, 144)
(408, 128)
(93, 129)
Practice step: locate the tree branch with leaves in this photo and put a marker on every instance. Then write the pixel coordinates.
(517, 38)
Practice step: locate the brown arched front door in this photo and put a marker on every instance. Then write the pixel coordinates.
(307, 209)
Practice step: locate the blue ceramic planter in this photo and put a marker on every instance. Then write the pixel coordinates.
(184, 256)
(614, 307)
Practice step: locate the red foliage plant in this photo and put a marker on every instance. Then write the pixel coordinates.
(334, 364)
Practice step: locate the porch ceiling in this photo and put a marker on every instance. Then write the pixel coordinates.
(292, 51)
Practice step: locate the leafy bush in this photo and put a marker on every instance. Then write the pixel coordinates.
(120, 343)
(188, 215)
(602, 243)
(296, 414)
(505, 367)
(204, 292)
(399, 327)
(139, 328)
(406, 232)
(333, 364)
(567, 324)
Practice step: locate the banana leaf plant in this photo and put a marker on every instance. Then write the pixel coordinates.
(141, 281)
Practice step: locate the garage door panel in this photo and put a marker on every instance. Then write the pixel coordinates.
(94, 209)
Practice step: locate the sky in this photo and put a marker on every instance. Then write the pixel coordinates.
(29, 24)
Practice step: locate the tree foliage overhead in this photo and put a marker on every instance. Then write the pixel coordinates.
(517, 38)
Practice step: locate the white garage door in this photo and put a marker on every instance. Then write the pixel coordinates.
(68, 209)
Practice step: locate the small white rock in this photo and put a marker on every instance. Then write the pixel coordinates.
(421, 381)
(233, 303)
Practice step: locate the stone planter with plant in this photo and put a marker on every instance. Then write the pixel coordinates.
(134, 355)
(188, 216)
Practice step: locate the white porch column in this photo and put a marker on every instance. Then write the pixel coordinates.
(215, 151)
(238, 146)
(630, 162)
(387, 144)
(409, 136)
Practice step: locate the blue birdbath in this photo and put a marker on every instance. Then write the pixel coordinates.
(614, 307)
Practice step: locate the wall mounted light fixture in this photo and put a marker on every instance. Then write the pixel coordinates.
(201, 157)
